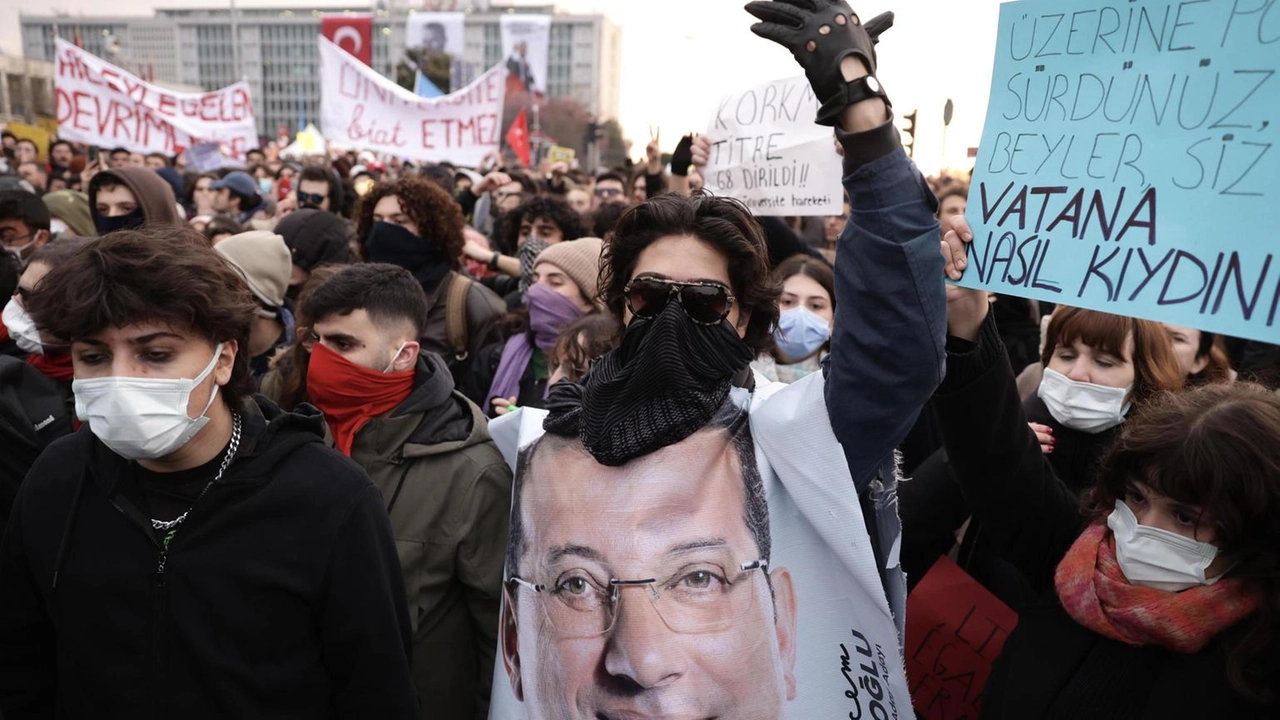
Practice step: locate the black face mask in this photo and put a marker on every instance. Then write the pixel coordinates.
(394, 244)
(131, 220)
(664, 383)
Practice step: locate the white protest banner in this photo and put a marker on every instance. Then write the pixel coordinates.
(437, 32)
(767, 152)
(526, 45)
(361, 109)
(100, 104)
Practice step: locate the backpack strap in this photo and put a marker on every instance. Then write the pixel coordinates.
(456, 315)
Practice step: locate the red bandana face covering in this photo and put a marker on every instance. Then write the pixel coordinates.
(350, 395)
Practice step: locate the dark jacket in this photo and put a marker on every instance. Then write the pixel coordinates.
(281, 596)
(448, 493)
(484, 369)
(888, 342)
(33, 413)
(485, 311)
(1052, 667)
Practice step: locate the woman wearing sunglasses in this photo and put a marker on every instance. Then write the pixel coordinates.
(689, 280)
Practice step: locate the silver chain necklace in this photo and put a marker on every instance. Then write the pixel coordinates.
(226, 460)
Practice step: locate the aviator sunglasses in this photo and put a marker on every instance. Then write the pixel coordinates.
(706, 303)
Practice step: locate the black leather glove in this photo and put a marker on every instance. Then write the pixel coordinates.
(820, 34)
(682, 157)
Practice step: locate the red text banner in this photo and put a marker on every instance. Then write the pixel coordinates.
(101, 104)
(362, 109)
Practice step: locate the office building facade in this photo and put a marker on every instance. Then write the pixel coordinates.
(275, 50)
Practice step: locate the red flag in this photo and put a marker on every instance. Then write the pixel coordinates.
(353, 33)
(518, 138)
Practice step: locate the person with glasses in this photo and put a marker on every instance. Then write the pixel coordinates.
(681, 614)
(637, 470)
(319, 188)
(610, 189)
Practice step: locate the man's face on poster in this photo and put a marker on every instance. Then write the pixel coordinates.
(436, 38)
(706, 639)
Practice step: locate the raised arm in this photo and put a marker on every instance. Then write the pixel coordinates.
(887, 349)
(1029, 516)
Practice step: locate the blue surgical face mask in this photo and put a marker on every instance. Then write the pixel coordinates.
(801, 333)
(264, 186)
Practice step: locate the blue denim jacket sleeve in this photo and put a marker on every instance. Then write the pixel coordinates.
(888, 346)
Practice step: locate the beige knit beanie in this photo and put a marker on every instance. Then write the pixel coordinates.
(579, 259)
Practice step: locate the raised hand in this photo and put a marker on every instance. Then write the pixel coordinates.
(821, 34)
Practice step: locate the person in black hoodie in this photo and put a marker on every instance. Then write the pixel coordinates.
(196, 552)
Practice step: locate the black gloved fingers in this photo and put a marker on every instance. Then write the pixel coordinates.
(877, 25)
(776, 11)
(780, 34)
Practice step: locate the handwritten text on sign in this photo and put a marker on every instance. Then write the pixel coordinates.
(955, 631)
(767, 152)
(360, 108)
(101, 104)
(1127, 164)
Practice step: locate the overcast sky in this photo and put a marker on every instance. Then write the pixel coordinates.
(680, 56)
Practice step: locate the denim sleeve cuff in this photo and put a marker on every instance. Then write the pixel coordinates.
(864, 147)
(966, 361)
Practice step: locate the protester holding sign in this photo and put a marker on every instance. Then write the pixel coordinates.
(1172, 580)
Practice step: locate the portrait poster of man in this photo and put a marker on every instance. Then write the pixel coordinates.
(526, 41)
(692, 581)
(437, 32)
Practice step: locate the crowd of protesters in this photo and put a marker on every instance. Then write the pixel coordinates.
(245, 464)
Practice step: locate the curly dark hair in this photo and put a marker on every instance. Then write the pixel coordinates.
(555, 210)
(164, 275)
(725, 224)
(438, 217)
(1215, 448)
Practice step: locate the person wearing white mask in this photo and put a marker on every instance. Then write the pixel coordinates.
(46, 354)
(808, 311)
(193, 548)
(1168, 579)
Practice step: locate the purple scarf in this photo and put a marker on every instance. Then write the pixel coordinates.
(549, 313)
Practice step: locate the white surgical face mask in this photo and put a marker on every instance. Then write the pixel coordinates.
(1157, 558)
(57, 227)
(22, 328)
(1083, 406)
(392, 364)
(142, 418)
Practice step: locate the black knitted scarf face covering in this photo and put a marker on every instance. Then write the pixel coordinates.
(664, 383)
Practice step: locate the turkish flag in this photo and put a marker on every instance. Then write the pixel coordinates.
(353, 33)
(518, 138)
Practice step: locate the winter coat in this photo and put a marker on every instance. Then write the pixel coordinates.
(1051, 666)
(279, 597)
(448, 492)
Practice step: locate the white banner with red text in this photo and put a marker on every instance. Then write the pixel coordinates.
(360, 108)
(100, 104)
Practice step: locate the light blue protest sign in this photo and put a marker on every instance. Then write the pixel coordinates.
(1128, 163)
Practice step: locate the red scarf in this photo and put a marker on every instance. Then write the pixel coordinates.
(1095, 593)
(350, 395)
(55, 367)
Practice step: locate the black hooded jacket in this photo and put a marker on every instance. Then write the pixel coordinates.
(280, 597)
